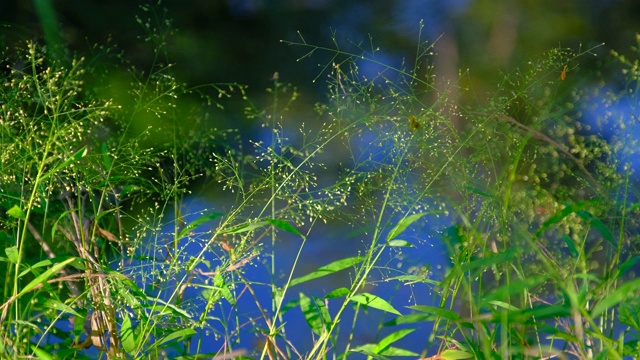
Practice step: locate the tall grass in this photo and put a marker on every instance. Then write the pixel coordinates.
(105, 256)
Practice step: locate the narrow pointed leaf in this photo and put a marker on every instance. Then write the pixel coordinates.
(456, 354)
(245, 227)
(199, 221)
(42, 278)
(444, 313)
(572, 247)
(403, 225)
(75, 157)
(598, 225)
(391, 338)
(397, 242)
(375, 302)
(179, 334)
(515, 287)
(620, 294)
(558, 216)
(329, 269)
(283, 225)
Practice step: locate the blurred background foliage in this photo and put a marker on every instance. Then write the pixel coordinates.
(239, 40)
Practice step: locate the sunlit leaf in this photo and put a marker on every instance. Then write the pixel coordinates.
(127, 335)
(41, 354)
(311, 314)
(59, 306)
(456, 354)
(375, 302)
(178, 334)
(42, 278)
(12, 254)
(329, 269)
(245, 227)
(403, 225)
(402, 243)
(368, 349)
(337, 293)
(16, 212)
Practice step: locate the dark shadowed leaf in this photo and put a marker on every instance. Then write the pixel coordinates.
(443, 313)
(199, 221)
(284, 225)
(390, 339)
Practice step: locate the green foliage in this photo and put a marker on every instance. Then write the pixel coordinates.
(537, 209)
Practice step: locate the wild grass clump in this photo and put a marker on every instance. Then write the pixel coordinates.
(532, 195)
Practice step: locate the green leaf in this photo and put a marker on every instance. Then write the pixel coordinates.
(178, 334)
(42, 278)
(558, 216)
(199, 221)
(515, 287)
(397, 242)
(598, 225)
(540, 312)
(218, 281)
(456, 354)
(375, 302)
(479, 191)
(284, 225)
(486, 262)
(105, 156)
(390, 339)
(627, 265)
(127, 335)
(12, 254)
(411, 319)
(339, 292)
(311, 314)
(620, 294)
(572, 247)
(329, 269)
(403, 225)
(63, 308)
(245, 227)
(439, 312)
(16, 212)
(75, 157)
(368, 349)
(41, 354)
(171, 308)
